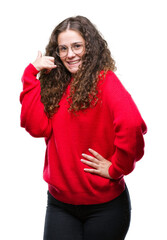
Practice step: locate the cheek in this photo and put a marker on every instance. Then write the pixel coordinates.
(63, 61)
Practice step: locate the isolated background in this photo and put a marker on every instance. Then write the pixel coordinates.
(137, 37)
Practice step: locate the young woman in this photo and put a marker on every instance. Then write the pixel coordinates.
(93, 132)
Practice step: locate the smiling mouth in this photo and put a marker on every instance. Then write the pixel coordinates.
(74, 62)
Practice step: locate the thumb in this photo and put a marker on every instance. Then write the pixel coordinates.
(39, 54)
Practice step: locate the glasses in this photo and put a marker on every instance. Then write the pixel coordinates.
(77, 48)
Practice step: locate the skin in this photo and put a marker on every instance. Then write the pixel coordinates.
(100, 165)
(72, 61)
(97, 164)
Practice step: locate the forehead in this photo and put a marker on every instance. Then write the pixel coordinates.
(69, 36)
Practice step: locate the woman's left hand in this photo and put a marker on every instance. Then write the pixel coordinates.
(100, 165)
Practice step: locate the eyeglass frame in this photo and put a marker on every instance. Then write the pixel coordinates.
(72, 46)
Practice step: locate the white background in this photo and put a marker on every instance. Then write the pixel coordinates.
(137, 37)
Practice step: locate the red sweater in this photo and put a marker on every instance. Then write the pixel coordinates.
(114, 128)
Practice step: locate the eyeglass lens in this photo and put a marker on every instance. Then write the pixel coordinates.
(62, 50)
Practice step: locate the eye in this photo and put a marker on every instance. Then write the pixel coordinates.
(77, 46)
(62, 48)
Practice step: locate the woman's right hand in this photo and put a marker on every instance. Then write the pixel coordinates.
(44, 62)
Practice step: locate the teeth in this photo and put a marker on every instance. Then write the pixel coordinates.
(74, 62)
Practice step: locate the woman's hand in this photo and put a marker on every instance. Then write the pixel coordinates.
(44, 62)
(100, 165)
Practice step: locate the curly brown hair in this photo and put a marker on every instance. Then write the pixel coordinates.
(96, 61)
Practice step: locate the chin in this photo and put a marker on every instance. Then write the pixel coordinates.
(73, 71)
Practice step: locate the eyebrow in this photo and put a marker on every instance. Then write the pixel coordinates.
(71, 43)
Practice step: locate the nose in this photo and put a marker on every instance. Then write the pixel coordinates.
(70, 53)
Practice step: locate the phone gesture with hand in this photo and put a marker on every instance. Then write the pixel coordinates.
(44, 62)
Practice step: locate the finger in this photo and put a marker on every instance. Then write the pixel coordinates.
(90, 158)
(96, 154)
(50, 61)
(49, 65)
(90, 170)
(39, 54)
(50, 58)
(52, 66)
(89, 163)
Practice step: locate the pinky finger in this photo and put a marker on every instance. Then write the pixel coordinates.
(53, 66)
(91, 170)
(49, 68)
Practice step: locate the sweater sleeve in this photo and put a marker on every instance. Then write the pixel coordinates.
(33, 117)
(129, 128)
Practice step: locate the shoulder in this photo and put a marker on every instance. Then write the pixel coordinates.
(111, 84)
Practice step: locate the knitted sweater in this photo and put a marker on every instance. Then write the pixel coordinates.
(114, 128)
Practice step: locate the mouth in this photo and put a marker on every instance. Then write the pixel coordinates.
(71, 63)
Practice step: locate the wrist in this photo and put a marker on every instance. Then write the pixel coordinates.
(36, 67)
(114, 174)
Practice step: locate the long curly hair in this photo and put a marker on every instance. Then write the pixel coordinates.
(96, 62)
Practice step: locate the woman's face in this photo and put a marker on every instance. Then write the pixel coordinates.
(71, 48)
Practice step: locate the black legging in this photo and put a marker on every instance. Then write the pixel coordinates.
(107, 221)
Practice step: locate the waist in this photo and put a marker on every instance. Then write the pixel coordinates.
(93, 196)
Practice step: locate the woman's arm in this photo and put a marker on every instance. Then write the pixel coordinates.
(33, 117)
(129, 128)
